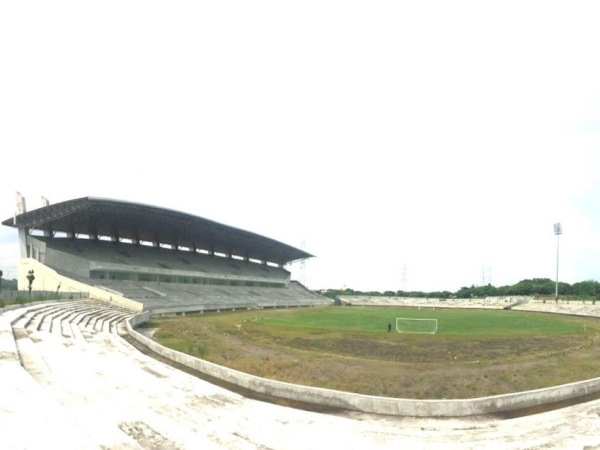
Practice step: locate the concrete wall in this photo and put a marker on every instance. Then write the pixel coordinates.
(49, 280)
(71, 263)
(368, 403)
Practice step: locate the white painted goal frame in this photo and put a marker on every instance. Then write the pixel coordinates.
(422, 326)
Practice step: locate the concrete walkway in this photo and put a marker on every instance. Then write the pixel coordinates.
(69, 381)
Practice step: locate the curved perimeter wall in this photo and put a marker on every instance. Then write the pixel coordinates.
(367, 403)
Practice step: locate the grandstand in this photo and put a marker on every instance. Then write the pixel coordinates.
(500, 302)
(71, 382)
(150, 258)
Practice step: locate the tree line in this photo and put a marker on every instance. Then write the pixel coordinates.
(534, 286)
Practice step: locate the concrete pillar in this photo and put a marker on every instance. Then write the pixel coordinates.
(23, 232)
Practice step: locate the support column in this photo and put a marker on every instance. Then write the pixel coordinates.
(23, 232)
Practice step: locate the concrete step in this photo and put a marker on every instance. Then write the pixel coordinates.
(30, 357)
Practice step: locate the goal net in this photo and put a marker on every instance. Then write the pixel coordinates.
(427, 326)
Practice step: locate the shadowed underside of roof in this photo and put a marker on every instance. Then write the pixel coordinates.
(138, 222)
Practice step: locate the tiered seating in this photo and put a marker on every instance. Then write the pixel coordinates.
(20, 331)
(61, 318)
(34, 341)
(580, 308)
(144, 256)
(486, 303)
(189, 281)
(172, 297)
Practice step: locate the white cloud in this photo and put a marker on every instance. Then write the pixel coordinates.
(444, 137)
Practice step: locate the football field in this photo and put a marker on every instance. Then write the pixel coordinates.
(475, 352)
(467, 323)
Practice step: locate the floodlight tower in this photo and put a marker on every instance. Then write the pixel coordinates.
(557, 232)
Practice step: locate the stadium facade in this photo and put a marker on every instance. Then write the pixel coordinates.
(150, 258)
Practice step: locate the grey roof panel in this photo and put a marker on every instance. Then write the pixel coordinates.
(107, 217)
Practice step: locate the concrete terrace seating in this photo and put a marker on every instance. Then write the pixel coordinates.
(169, 281)
(62, 318)
(163, 297)
(33, 339)
(83, 387)
(486, 303)
(185, 297)
(581, 308)
(109, 253)
(76, 322)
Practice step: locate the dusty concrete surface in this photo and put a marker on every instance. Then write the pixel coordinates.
(82, 386)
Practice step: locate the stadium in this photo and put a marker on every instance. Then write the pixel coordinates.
(71, 375)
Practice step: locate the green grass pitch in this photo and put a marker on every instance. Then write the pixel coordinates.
(451, 322)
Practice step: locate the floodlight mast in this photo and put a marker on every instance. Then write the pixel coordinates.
(557, 232)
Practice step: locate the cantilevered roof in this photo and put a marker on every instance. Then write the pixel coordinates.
(125, 220)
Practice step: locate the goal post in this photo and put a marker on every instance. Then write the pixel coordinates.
(424, 326)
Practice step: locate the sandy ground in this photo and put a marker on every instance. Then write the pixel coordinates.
(83, 386)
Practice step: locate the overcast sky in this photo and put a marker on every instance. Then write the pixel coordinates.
(407, 145)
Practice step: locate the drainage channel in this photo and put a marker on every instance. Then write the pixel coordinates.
(233, 387)
(523, 412)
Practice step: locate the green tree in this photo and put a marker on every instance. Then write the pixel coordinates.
(589, 288)
(465, 292)
(440, 294)
(540, 286)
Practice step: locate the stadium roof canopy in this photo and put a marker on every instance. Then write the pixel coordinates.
(143, 223)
